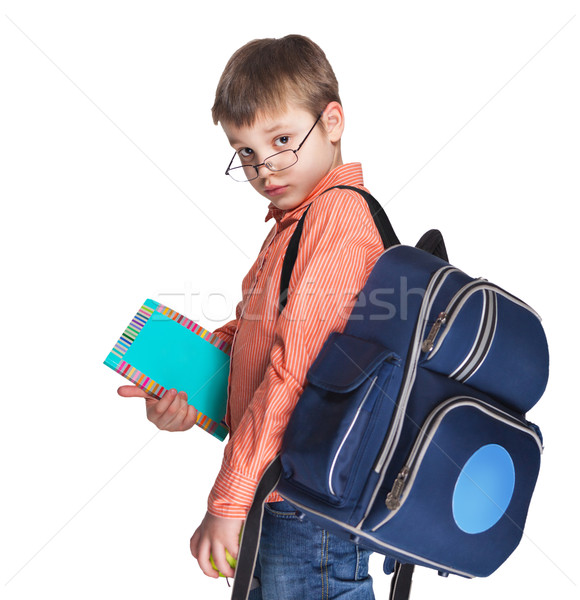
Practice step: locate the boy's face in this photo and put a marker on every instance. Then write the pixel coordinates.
(268, 135)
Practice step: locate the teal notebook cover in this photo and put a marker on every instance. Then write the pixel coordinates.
(161, 349)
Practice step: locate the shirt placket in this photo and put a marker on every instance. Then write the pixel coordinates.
(247, 300)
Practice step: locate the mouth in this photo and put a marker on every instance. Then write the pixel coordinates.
(275, 190)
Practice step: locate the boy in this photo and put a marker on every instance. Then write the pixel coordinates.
(278, 104)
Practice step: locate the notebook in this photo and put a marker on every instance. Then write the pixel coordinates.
(161, 349)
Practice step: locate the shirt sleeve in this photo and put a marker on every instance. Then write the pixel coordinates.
(338, 249)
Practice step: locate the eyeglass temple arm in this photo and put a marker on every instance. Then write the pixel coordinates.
(309, 132)
(231, 161)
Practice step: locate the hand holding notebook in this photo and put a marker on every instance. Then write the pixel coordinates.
(170, 413)
(161, 352)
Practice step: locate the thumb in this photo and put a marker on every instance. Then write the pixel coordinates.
(132, 391)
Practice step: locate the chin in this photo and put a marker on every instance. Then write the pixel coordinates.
(287, 203)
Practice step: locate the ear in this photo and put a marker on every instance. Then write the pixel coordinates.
(333, 121)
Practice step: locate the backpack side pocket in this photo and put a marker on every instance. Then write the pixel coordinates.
(333, 436)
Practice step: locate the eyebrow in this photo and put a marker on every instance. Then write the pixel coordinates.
(277, 126)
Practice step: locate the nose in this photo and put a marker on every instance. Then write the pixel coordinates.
(263, 171)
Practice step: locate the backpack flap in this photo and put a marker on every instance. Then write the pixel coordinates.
(492, 341)
(337, 427)
(345, 362)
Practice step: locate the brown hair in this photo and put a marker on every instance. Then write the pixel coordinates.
(266, 74)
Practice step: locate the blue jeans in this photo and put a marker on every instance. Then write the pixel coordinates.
(298, 560)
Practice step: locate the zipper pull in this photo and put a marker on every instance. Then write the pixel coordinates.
(427, 345)
(393, 500)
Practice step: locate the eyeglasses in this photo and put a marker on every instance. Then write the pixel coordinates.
(276, 162)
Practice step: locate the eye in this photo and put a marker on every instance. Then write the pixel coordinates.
(246, 153)
(282, 140)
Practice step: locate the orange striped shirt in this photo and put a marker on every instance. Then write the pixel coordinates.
(271, 353)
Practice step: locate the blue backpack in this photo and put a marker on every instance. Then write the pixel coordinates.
(410, 437)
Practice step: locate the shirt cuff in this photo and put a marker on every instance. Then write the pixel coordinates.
(231, 495)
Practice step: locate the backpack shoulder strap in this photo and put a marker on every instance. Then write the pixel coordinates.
(250, 542)
(401, 581)
(289, 260)
(386, 231)
(378, 214)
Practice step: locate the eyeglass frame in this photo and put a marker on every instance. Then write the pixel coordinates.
(263, 164)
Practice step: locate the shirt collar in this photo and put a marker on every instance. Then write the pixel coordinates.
(348, 174)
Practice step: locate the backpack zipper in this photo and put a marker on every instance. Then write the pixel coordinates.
(456, 304)
(483, 340)
(427, 344)
(475, 357)
(409, 377)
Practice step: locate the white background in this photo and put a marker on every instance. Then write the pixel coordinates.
(465, 117)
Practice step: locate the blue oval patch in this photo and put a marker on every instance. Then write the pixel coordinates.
(483, 489)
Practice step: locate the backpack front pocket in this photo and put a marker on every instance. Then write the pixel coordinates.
(334, 432)
(492, 341)
(465, 488)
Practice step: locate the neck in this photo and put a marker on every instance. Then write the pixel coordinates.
(337, 160)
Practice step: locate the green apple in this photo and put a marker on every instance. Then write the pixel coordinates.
(231, 561)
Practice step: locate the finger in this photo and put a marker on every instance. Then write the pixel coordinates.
(156, 410)
(194, 543)
(203, 560)
(180, 416)
(192, 415)
(174, 414)
(187, 416)
(220, 560)
(234, 545)
(132, 391)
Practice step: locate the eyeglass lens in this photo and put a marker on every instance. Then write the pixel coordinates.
(276, 162)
